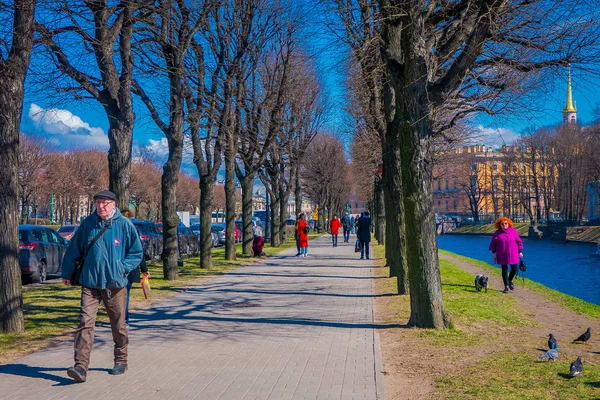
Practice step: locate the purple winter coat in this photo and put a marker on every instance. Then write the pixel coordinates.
(507, 245)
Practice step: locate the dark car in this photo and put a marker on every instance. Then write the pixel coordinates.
(151, 238)
(67, 231)
(41, 250)
(215, 236)
(188, 240)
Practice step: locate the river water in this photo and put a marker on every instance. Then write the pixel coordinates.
(571, 268)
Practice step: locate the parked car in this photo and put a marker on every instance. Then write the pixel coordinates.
(188, 240)
(67, 231)
(256, 228)
(220, 228)
(215, 235)
(41, 250)
(151, 238)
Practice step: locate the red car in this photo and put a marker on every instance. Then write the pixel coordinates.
(220, 229)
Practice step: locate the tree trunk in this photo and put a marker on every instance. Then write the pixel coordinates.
(380, 215)
(321, 219)
(206, 205)
(275, 222)
(247, 184)
(298, 193)
(169, 181)
(12, 70)
(395, 250)
(120, 136)
(230, 152)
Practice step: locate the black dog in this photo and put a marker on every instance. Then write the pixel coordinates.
(481, 282)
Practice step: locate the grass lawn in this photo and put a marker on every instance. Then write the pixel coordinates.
(51, 310)
(490, 350)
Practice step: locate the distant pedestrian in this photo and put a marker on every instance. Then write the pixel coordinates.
(116, 251)
(302, 231)
(352, 224)
(346, 227)
(257, 246)
(507, 246)
(134, 276)
(356, 221)
(364, 234)
(334, 228)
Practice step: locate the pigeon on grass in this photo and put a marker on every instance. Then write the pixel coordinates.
(550, 355)
(576, 367)
(552, 343)
(584, 337)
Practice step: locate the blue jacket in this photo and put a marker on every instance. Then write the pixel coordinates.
(116, 253)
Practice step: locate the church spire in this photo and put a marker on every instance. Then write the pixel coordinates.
(569, 108)
(569, 112)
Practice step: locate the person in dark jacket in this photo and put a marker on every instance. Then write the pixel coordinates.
(364, 234)
(346, 227)
(103, 278)
(134, 276)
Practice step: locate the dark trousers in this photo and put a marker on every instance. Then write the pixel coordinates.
(334, 239)
(115, 305)
(364, 248)
(346, 235)
(505, 276)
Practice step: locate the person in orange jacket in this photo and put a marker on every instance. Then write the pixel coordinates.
(334, 228)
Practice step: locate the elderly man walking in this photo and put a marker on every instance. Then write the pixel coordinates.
(107, 247)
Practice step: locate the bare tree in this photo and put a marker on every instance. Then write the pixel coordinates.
(33, 160)
(91, 43)
(462, 56)
(17, 41)
(169, 35)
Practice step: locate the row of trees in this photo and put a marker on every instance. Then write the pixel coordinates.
(229, 78)
(418, 69)
(72, 177)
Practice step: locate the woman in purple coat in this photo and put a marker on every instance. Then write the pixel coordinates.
(506, 246)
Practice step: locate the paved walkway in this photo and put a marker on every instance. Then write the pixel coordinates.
(285, 328)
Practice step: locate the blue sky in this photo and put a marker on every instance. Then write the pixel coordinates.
(82, 124)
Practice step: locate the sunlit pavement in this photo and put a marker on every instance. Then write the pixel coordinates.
(285, 328)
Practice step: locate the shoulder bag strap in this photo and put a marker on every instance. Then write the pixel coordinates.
(91, 244)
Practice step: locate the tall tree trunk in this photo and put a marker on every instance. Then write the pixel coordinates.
(12, 71)
(206, 205)
(169, 181)
(395, 250)
(247, 184)
(380, 214)
(321, 219)
(283, 199)
(120, 136)
(230, 152)
(298, 193)
(275, 222)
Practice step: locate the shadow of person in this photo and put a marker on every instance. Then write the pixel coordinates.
(30, 371)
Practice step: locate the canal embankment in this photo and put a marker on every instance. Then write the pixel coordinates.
(582, 234)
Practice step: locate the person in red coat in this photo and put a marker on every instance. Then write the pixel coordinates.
(334, 228)
(302, 232)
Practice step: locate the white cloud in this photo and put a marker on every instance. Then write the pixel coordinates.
(66, 129)
(493, 137)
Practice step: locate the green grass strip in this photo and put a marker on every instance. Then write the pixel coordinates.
(572, 303)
